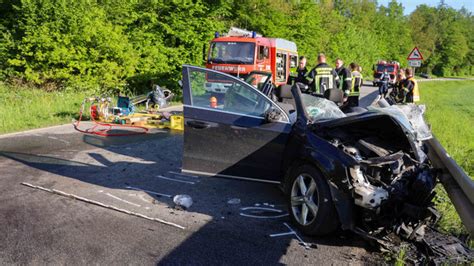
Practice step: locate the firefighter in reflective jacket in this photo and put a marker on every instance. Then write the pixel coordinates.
(412, 93)
(353, 99)
(322, 77)
(344, 82)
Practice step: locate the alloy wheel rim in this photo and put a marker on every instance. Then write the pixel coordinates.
(303, 195)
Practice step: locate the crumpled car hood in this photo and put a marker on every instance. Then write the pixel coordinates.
(410, 116)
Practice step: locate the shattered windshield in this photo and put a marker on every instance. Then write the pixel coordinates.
(321, 109)
(232, 53)
(410, 116)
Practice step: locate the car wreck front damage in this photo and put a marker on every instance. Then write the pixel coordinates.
(375, 167)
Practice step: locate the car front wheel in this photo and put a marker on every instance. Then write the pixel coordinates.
(310, 204)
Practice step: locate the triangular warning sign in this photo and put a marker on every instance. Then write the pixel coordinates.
(415, 54)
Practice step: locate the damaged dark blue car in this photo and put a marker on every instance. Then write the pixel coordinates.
(361, 170)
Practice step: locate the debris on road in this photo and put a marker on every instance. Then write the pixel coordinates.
(183, 201)
(431, 248)
(233, 201)
(58, 192)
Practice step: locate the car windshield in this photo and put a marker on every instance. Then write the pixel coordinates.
(320, 109)
(232, 53)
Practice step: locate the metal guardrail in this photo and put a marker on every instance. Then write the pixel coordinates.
(458, 185)
(431, 79)
(443, 79)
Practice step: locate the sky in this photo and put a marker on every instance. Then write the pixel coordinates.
(410, 5)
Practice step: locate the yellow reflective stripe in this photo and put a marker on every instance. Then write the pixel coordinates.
(416, 91)
(323, 73)
(324, 68)
(318, 78)
(325, 76)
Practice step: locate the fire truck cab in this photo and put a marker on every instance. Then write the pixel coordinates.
(392, 68)
(240, 52)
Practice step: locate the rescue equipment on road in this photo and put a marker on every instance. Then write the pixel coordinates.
(124, 116)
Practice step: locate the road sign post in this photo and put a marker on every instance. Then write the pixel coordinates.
(414, 63)
(414, 59)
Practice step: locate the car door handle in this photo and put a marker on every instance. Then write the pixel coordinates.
(198, 124)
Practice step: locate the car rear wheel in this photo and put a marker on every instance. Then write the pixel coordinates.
(310, 204)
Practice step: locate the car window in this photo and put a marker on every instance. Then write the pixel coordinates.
(257, 80)
(320, 109)
(217, 91)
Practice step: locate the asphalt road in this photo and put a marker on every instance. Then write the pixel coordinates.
(138, 174)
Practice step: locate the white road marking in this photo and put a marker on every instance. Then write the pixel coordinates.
(181, 174)
(140, 196)
(149, 191)
(126, 201)
(292, 232)
(281, 234)
(176, 180)
(262, 209)
(63, 141)
(64, 194)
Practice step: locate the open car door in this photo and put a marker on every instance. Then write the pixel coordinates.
(230, 133)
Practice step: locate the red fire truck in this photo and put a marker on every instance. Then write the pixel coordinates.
(240, 52)
(392, 68)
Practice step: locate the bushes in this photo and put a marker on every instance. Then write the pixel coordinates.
(101, 45)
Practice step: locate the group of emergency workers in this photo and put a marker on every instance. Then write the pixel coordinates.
(323, 77)
(405, 89)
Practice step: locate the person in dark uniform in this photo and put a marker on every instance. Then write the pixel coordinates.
(384, 81)
(301, 71)
(322, 77)
(409, 86)
(344, 82)
(397, 93)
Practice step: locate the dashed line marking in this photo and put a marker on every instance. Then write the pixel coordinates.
(181, 174)
(126, 201)
(175, 180)
(149, 191)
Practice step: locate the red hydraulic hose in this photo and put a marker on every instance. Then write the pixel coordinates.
(105, 131)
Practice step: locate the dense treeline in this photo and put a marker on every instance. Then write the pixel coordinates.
(124, 43)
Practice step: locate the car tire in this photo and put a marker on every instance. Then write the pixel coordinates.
(314, 213)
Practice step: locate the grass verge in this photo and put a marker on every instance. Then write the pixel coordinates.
(27, 108)
(450, 111)
(23, 108)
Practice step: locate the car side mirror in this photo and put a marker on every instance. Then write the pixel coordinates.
(273, 115)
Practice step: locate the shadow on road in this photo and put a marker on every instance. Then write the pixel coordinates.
(227, 237)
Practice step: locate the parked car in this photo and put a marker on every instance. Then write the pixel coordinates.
(360, 171)
(424, 75)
